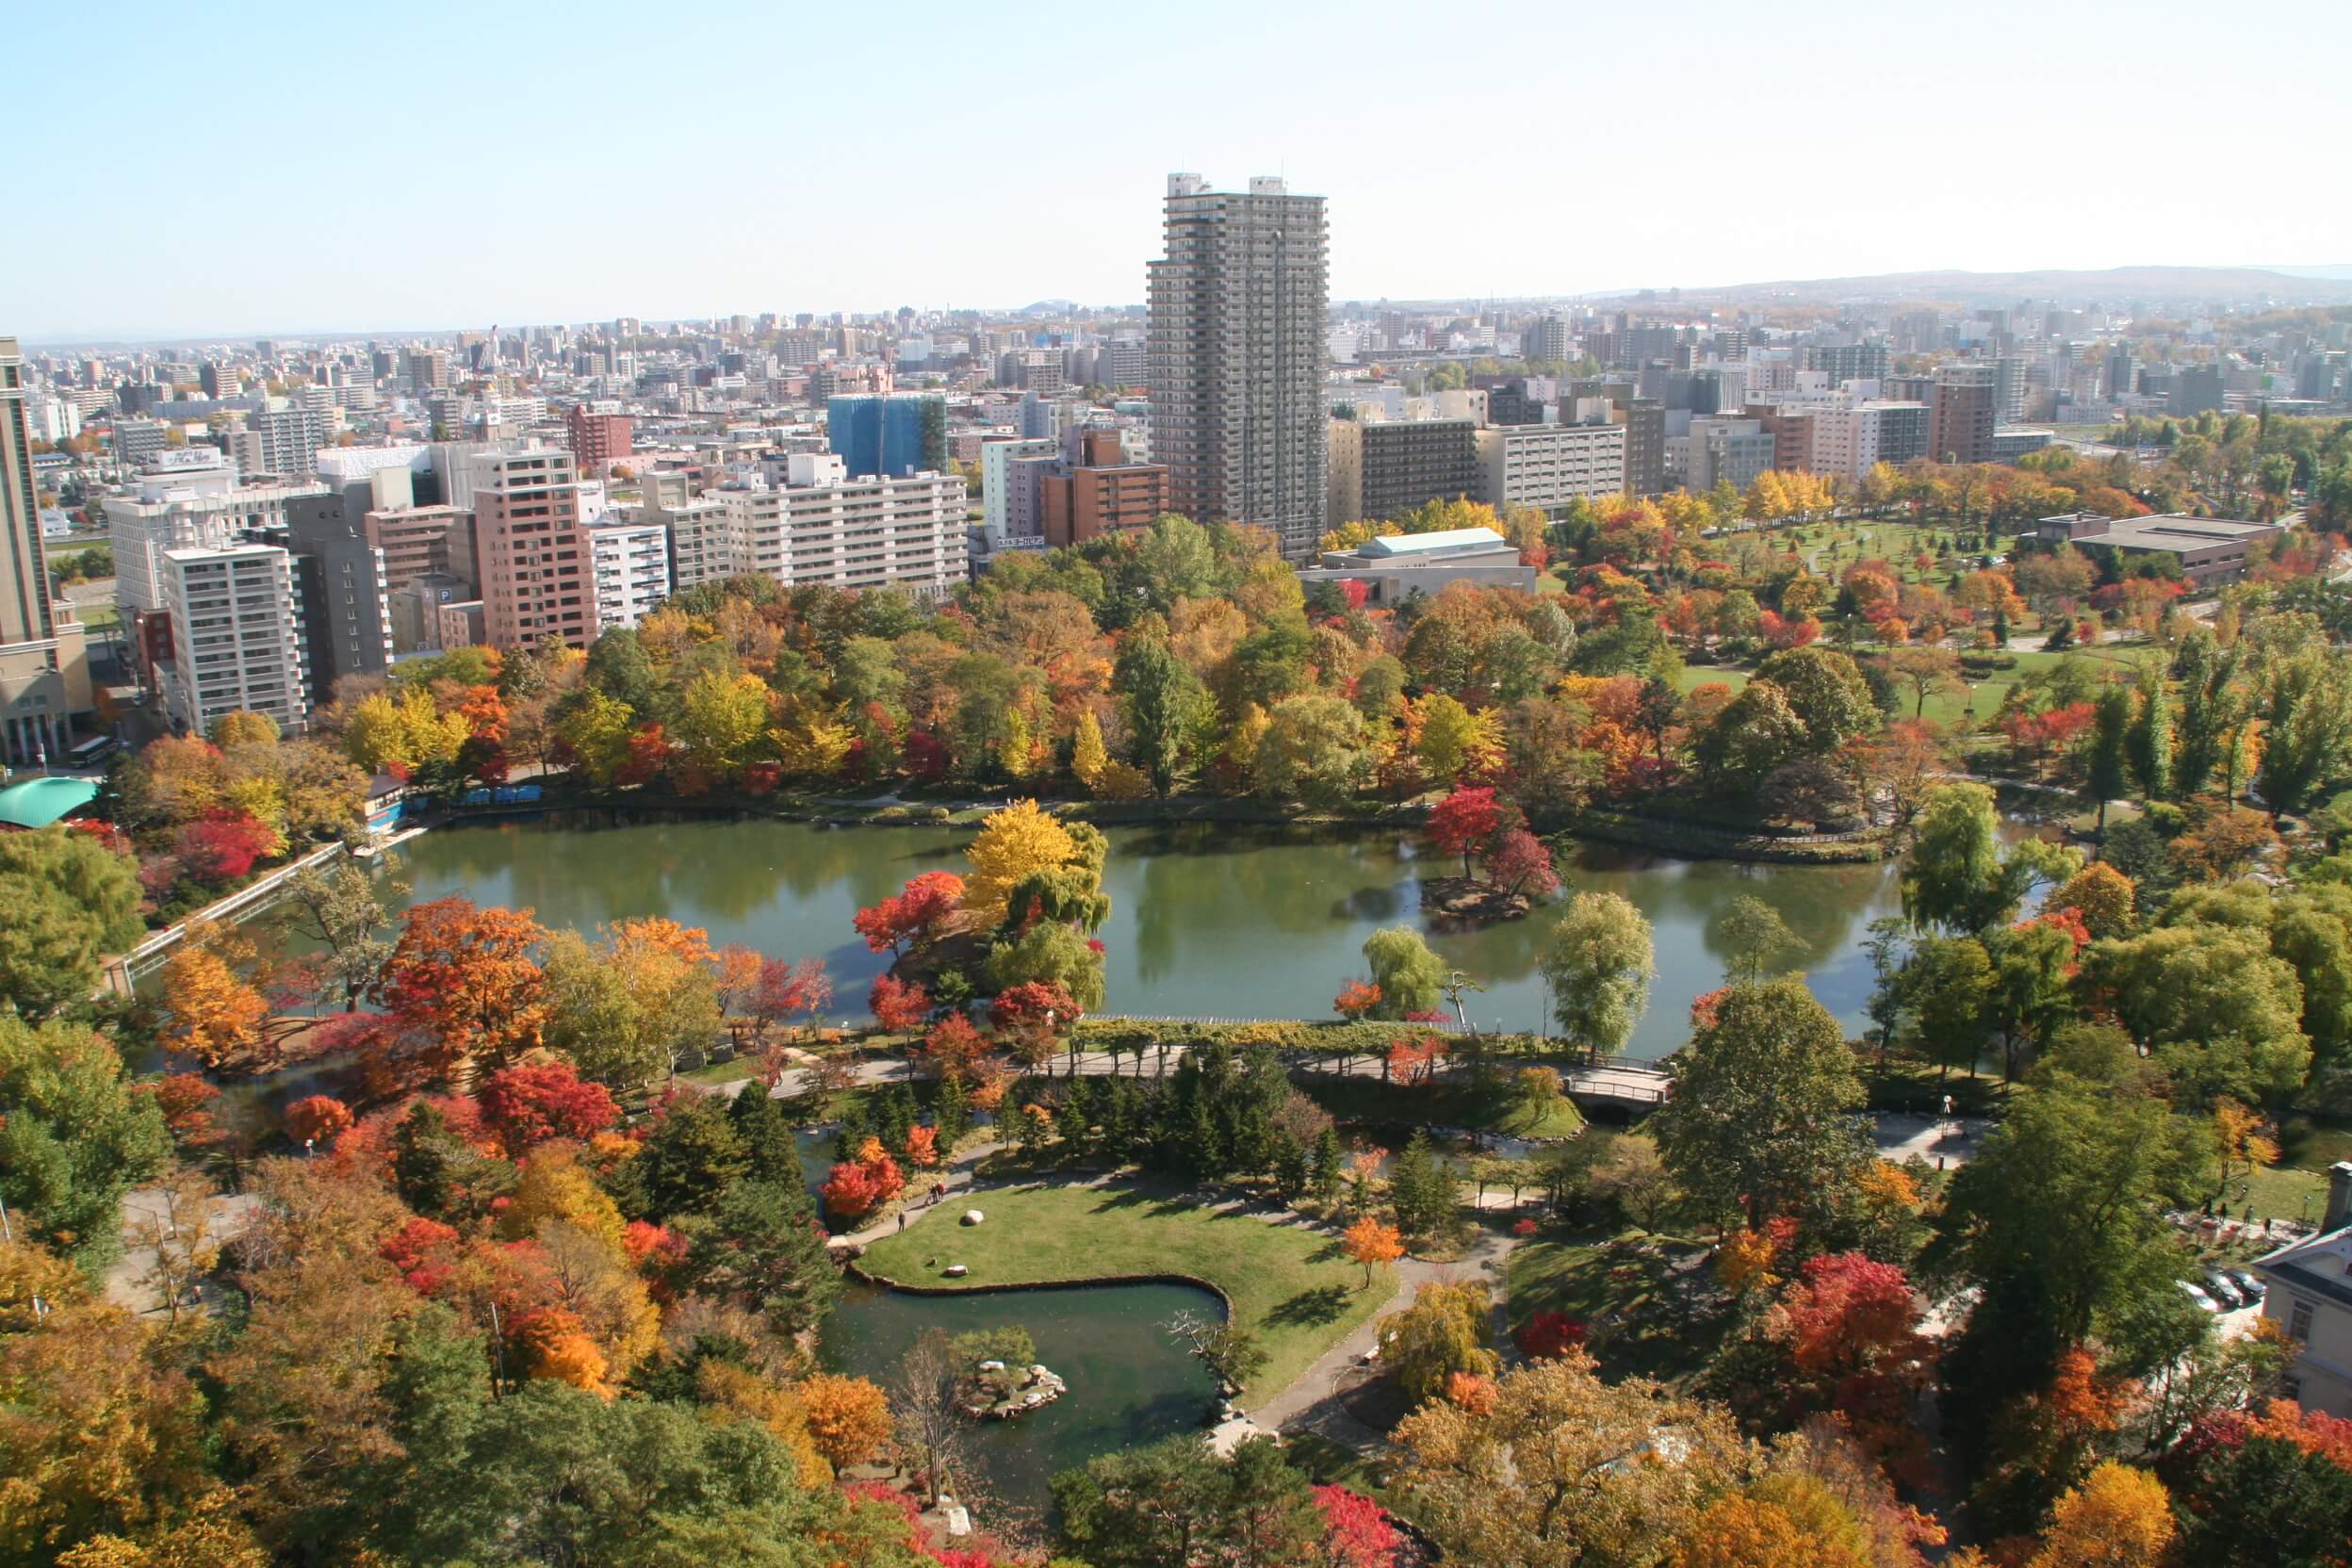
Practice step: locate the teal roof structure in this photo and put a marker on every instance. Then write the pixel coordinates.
(39, 802)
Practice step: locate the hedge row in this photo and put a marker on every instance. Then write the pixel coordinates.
(1335, 1037)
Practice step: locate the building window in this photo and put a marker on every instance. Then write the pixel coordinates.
(2300, 1322)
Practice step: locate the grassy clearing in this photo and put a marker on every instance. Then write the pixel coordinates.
(1645, 1299)
(1691, 677)
(2284, 1192)
(1295, 1289)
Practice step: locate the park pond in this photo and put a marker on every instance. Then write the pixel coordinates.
(1207, 919)
(1130, 1382)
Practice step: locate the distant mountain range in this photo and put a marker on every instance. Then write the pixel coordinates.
(2107, 286)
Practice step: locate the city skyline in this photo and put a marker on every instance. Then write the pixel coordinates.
(2018, 150)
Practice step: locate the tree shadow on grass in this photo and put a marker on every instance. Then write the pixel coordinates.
(1311, 1308)
(1330, 1252)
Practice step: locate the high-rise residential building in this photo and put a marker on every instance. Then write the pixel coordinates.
(1549, 467)
(136, 441)
(44, 666)
(1549, 338)
(1120, 363)
(1725, 451)
(1645, 421)
(896, 433)
(535, 560)
(632, 564)
(431, 369)
(1235, 358)
(237, 637)
(597, 437)
(2195, 390)
(1961, 414)
(189, 500)
(1864, 361)
(220, 379)
(2009, 388)
(997, 519)
(1381, 468)
(290, 438)
(1095, 490)
(811, 521)
(1855, 436)
(418, 541)
(347, 618)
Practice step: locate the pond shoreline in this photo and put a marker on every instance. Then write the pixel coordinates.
(1634, 831)
(853, 1268)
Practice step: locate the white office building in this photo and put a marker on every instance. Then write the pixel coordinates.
(1549, 467)
(237, 636)
(631, 563)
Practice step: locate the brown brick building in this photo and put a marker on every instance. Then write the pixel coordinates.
(1099, 492)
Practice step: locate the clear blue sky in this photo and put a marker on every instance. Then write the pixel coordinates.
(190, 168)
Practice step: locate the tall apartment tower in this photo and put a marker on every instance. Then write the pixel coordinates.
(44, 670)
(537, 570)
(1235, 358)
(1962, 412)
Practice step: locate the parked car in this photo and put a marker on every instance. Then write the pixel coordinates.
(2198, 1297)
(2219, 1287)
(2249, 1283)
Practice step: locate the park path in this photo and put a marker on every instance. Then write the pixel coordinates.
(1312, 1402)
(959, 1174)
(1628, 1082)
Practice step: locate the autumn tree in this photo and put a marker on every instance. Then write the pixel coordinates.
(1372, 1241)
(529, 1102)
(2119, 1517)
(1465, 821)
(1016, 843)
(848, 1418)
(898, 1005)
(1566, 1470)
(212, 1010)
(464, 980)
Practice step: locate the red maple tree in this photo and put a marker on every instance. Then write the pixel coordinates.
(1463, 821)
(526, 1104)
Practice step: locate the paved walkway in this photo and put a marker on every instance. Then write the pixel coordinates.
(958, 1175)
(1938, 1140)
(1312, 1402)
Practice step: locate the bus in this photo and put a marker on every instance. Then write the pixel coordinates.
(92, 753)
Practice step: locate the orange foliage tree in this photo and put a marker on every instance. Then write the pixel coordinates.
(848, 1418)
(1372, 1241)
(462, 979)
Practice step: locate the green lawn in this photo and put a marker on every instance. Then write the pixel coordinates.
(1646, 1311)
(1691, 677)
(2283, 1192)
(1295, 1289)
